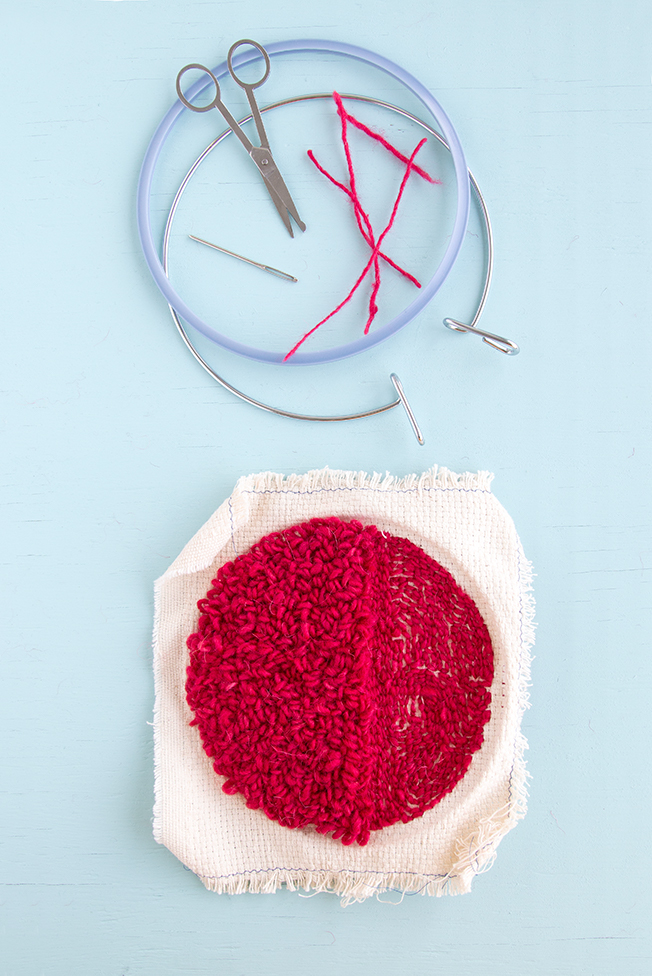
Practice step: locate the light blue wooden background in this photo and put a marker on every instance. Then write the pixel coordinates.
(117, 448)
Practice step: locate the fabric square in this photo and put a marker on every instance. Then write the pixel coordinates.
(409, 765)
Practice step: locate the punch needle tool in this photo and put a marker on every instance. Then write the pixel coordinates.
(240, 257)
(261, 155)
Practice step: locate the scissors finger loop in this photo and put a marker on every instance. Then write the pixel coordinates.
(182, 97)
(261, 50)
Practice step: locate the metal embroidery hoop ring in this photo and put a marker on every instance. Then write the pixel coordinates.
(503, 345)
(377, 335)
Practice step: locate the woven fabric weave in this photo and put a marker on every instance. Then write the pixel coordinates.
(238, 841)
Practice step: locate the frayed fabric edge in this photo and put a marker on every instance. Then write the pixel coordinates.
(351, 886)
(325, 478)
(477, 852)
(156, 720)
(214, 534)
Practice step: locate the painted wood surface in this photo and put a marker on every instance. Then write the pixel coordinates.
(116, 448)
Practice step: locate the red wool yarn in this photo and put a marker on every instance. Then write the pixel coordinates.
(339, 678)
(362, 218)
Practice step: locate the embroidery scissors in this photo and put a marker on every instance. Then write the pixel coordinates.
(261, 155)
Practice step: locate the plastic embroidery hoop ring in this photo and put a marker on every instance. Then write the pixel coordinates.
(427, 292)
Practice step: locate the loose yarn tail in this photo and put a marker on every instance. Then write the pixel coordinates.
(362, 217)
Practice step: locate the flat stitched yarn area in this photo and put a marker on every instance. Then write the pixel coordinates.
(339, 678)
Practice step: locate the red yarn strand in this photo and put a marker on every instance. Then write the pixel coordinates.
(360, 216)
(395, 152)
(373, 308)
(366, 233)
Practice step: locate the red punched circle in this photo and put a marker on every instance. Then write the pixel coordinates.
(339, 678)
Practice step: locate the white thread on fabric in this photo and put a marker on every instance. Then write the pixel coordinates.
(457, 521)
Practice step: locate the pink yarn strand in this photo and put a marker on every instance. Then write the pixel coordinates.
(368, 235)
(362, 218)
(344, 117)
(367, 266)
(410, 166)
(395, 152)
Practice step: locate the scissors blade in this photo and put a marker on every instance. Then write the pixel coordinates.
(282, 209)
(276, 187)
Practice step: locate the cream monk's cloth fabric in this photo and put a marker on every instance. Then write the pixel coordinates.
(457, 521)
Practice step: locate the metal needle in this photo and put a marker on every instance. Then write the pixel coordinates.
(256, 264)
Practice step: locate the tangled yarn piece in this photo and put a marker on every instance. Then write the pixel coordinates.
(362, 218)
(340, 678)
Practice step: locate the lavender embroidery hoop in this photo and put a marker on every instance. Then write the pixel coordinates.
(465, 181)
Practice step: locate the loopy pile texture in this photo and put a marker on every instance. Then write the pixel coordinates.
(339, 678)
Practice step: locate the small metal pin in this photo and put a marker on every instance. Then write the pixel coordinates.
(398, 386)
(256, 264)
